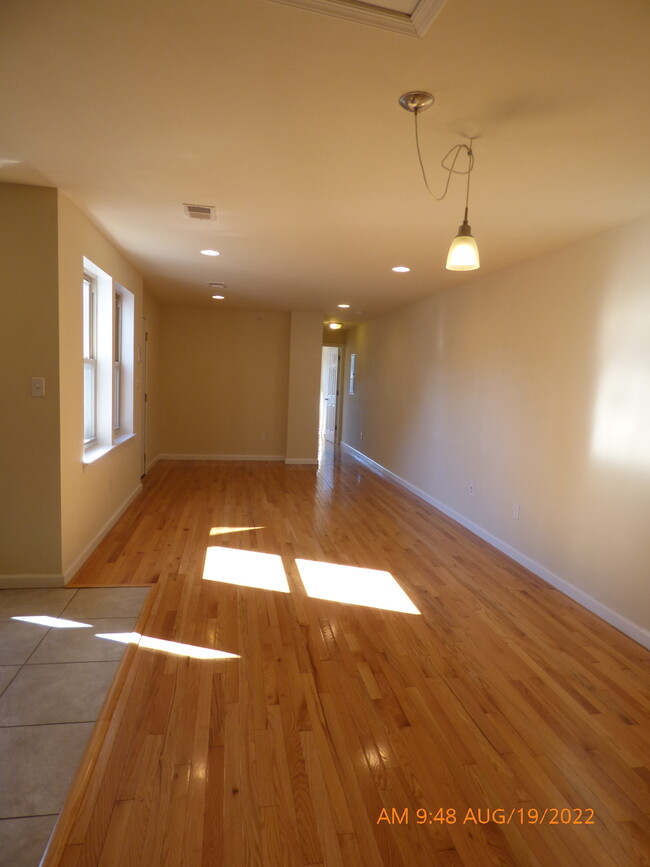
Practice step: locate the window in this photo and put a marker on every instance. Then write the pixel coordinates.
(90, 358)
(108, 357)
(117, 361)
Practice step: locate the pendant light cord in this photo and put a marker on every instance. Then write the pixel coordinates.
(450, 169)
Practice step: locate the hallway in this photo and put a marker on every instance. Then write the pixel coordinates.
(333, 673)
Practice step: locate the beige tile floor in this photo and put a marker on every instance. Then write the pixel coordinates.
(54, 675)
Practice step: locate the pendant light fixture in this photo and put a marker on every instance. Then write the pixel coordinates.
(463, 253)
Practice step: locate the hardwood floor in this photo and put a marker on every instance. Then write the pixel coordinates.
(346, 734)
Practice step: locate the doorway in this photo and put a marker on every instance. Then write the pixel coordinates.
(142, 353)
(329, 393)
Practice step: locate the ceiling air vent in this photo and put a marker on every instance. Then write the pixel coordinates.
(217, 285)
(200, 212)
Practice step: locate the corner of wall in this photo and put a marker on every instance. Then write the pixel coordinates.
(30, 512)
(304, 382)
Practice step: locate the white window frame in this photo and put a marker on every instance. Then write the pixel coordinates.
(109, 362)
(89, 306)
(118, 320)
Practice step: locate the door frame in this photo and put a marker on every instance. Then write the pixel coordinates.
(339, 388)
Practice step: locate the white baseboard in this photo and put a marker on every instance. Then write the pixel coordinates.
(8, 582)
(307, 461)
(151, 464)
(633, 630)
(78, 562)
(220, 458)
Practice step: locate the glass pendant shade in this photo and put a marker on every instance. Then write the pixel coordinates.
(463, 253)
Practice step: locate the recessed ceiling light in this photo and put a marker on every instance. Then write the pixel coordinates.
(218, 297)
(335, 326)
(401, 269)
(343, 305)
(211, 252)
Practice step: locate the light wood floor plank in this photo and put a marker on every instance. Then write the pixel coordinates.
(333, 724)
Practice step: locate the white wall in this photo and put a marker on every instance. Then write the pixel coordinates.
(533, 385)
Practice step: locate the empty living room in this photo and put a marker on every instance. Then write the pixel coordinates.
(324, 452)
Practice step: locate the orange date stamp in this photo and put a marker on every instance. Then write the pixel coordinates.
(487, 815)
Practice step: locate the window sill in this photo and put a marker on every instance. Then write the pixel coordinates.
(96, 452)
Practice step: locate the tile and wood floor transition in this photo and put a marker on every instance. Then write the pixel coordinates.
(341, 733)
(54, 675)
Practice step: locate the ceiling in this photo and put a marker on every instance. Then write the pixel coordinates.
(288, 122)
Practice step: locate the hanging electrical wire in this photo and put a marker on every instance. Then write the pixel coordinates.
(456, 150)
(463, 252)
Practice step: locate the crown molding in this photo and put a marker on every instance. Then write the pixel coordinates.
(415, 23)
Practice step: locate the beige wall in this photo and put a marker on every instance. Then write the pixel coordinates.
(30, 520)
(93, 495)
(151, 380)
(55, 509)
(304, 388)
(532, 385)
(233, 383)
(334, 338)
(224, 380)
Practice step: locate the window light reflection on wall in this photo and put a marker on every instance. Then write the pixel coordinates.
(621, 416)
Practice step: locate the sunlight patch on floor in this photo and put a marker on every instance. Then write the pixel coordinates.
(373, 588)
(245, 568)
(175, 647)
(52, 622)
(221, 531)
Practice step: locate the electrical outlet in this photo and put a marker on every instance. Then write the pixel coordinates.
(471, 489)
(361, 435)
(515, 512)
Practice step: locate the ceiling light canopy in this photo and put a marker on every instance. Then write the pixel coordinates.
(463, 253)
(401, 269)
(335, 326)
(210, 252)
(344, 306)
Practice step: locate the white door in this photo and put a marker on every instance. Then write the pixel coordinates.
(143, 374)
(331, 378)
